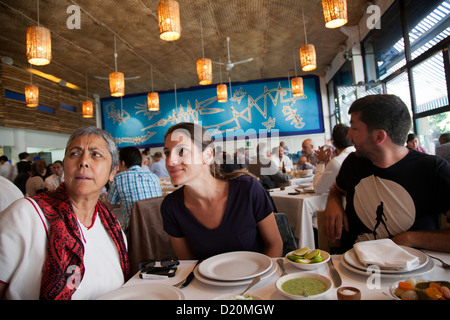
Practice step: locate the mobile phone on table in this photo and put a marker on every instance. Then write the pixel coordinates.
(158, 272)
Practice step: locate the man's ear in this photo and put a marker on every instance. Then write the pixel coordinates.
(380, 136)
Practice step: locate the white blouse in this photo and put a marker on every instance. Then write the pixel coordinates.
(23, 243)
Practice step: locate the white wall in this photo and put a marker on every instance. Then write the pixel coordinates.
(21, 140)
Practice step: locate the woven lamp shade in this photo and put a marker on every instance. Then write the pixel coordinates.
(308, 57)
(32, 96)
(169, 20)
(117, 84)
(153, 101)
(88, 109)
(204, 71)
(297, 86)
(335, 13)
(222, 93)
(39, 46)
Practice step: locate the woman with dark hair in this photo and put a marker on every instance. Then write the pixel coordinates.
(412, 142)
(66, 244)
(213, 212)
(36, 184)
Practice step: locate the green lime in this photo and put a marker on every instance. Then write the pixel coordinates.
(317, 259)
(292, 257)
(313, 254)
(302, 251)
(304, 261)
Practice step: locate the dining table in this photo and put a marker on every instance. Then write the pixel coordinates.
(373, 286)
(301, 211)
(300, 180)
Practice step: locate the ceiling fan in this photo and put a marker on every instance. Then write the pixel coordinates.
(229, 65)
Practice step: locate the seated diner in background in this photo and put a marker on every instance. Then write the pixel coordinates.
(65, 244)
(266, 170)
(213, 213)
(443, 150)
(36, 183)
(308, 158)
(391, 191)
(328, 166)
(412, 142)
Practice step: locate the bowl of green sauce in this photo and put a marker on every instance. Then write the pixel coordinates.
(304, 285)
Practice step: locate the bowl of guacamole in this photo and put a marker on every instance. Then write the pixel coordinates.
(303, 285)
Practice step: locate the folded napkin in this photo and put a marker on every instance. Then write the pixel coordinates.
(386, 254)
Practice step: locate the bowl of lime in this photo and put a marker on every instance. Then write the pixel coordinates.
(307, 259)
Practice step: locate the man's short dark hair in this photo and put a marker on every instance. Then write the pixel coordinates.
(131, 156)
(339, 136)
(23, 155)
(386, 112)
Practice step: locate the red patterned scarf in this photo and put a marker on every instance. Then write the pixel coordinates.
(63, 266)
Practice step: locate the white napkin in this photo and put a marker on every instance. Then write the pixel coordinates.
(386, 254)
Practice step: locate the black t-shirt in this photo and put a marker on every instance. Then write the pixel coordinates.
(381, 203)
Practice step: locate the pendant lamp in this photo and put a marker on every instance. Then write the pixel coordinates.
(32, 96)
(297, 86)
(39, 44)
(31, 93)
(308, 57)
(307, 53)
(204, 67)
(222, 93)
(116, 79)
(297, 83)
(117, 84)
(87, 105)
(335, 13)
(169, 20)
(88, 109)
(152, 98)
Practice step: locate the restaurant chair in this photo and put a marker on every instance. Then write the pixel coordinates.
(146, 236)
(323, 242)
(289, 243)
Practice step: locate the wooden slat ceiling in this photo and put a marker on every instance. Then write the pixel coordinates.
(270, 31)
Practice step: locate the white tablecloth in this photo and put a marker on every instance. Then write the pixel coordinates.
(301, 212)
(371, 288)
(298, 181)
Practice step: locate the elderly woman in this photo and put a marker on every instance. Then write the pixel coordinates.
(212, 214)
(66, 244)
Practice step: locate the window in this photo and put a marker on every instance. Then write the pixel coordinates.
(417, 68)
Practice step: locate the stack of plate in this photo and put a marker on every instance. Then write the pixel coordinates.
(352, 263)
(234, 268)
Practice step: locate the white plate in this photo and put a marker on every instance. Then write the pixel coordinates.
(231, 296)
(219, 283)
(352, 259)
(287, 277)
(150, 291)
(235, 266)
(427, 268)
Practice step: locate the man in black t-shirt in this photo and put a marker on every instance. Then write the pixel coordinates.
(391, 191)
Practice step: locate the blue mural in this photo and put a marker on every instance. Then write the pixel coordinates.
(253, 108)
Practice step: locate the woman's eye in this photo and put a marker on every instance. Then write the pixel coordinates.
(181, 152)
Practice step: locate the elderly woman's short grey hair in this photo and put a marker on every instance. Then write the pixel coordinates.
(86, 131)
